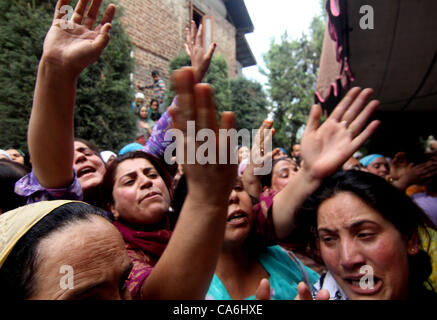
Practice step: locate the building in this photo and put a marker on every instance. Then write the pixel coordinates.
(157, 31)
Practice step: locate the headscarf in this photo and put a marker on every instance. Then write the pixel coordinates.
(106, 155)
(16, 223)
(369, 159)
(130, 147)
(3, 152)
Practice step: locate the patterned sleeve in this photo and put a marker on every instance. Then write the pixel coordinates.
(264, 230)
(29, 186)
(156, 144)
(142, 267)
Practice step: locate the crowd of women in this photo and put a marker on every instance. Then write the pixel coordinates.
(138, 227)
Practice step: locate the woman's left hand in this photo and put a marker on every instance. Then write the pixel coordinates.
(195, 49)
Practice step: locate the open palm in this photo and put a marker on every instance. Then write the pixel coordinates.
(324, 149)
(77, 46)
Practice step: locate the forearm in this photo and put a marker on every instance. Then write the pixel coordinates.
(51, 126)
(252, 183)
(288, 201)
(186, 268)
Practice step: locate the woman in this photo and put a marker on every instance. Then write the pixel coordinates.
(374, 241)
(249, 254)
(144, 126)
(65, 167)
(10, 173)
(43, 256)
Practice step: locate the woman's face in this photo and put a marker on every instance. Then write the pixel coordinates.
(143, 113)
(240, 217)
(140, 195)
(90, 169)
(15, 155)
(243, 153)
(154, 106)
(85, 260)
(283, 171)
(353, 235)
(379, 167)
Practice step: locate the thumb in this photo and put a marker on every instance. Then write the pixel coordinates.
(263, 291)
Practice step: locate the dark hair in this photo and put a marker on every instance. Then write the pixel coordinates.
(152, 101)
(155, 73)
(165, 171)
(90, 145)
(266, 180)
(10, 173)
(17, 275)
(386, 199)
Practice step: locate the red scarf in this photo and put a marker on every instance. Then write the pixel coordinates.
(151, 242)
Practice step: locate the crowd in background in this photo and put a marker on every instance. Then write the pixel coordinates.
(134, 226)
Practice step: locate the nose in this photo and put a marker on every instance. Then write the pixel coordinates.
(350, 255)
(79, 157)
(145, 182)
(233, 198)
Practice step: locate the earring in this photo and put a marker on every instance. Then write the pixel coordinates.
(412, 250)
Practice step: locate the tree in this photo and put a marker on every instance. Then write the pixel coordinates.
(249, 103)
(103, 95)
(217, 76)
(292, 70)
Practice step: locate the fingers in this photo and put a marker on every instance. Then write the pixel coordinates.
(210, 51)
(263, 291)
(59, 5)
(199, 36)
(313, 119)
(323, 295)
(79, 11)
(344, 104)
(193, 32)
(303, 292)
(205, 110)
(228, 120)
(103, 38)
(357, 124)
(109, 14)
(357, 105)
(183, 82)
(91, 16)
(363, 136)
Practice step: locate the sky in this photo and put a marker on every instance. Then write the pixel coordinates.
(271, 19)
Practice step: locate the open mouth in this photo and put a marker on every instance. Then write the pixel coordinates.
(237, 217)
(84, 171)
(368, 286)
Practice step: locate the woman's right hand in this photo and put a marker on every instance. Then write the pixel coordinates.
(207, 182)
(304, 293)
(73, 45)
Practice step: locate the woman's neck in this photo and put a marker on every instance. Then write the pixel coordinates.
(240, 271)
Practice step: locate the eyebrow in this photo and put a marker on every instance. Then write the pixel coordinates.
(92, 287)
(351, 226)
(134, 173)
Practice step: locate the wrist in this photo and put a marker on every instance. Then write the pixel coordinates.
(53, 68)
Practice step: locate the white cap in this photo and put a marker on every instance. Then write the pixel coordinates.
(139, 95)
(106, 155)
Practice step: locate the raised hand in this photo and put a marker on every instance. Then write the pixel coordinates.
(304, 293)
(196, 104)
(195, 49)
(324, 149)
(75, 45)
(263, 291)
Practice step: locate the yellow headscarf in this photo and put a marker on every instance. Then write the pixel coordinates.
(16, 223)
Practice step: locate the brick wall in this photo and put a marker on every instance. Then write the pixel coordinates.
(157, 31)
